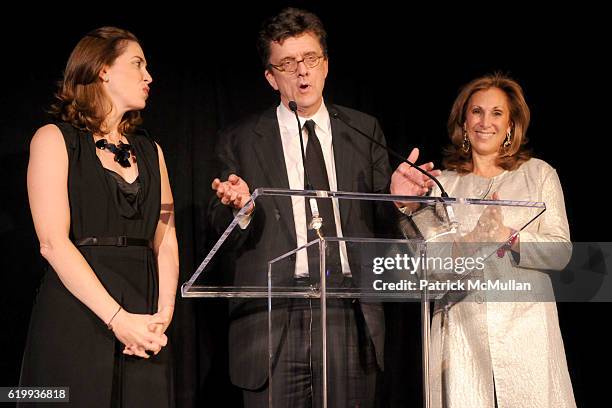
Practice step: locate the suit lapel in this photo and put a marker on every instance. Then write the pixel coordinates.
(269, 153)
(269, 150)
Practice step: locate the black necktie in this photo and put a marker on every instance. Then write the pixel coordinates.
(317, 174)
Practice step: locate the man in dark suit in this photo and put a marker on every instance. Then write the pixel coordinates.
(264, 151)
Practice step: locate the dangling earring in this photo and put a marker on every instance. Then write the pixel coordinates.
(465, 146)
(508, 140)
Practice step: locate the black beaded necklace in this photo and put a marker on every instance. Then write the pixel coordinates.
(121, 152)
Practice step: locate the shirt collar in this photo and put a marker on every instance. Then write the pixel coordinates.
(287, 119)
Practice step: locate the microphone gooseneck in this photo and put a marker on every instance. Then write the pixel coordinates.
(335, 115)
(316, 221)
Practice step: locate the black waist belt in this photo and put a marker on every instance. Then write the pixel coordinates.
(121, 241)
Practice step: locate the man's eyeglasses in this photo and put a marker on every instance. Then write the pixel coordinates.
(290, 65)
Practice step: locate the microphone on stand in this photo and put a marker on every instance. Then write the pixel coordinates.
(448, 209)
(336, 115)
(316, 221)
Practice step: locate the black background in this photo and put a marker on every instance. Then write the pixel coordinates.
(404, 66)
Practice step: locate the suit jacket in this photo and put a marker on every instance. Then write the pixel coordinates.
(253, 150)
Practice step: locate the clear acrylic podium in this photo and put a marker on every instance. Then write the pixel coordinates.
(431, 255)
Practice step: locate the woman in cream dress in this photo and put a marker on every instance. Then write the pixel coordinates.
(502, 354)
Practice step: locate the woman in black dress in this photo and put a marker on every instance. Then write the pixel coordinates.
(104, 215)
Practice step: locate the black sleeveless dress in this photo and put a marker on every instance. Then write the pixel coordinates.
(68, 345)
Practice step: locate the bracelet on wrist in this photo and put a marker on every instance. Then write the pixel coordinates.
(508, 245)
(109, 324)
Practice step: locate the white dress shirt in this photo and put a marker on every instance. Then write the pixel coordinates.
(295, 171)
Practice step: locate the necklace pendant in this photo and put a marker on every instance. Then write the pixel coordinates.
(121, 152)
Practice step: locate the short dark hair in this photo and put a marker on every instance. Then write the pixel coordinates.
(512, 157)
(80, 98)
(290, 22)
